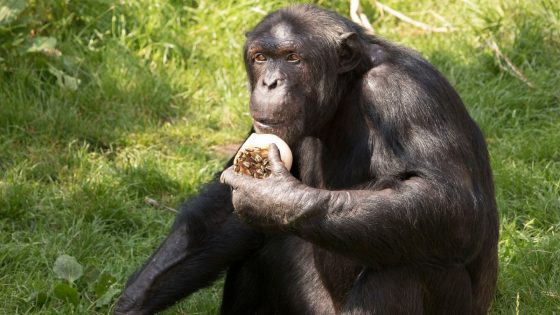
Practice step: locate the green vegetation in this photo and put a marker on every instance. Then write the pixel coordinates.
(104, 103)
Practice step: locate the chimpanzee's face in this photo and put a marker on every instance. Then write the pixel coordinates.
(285, 83)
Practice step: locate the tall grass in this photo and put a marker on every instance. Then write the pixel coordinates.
(162, 91)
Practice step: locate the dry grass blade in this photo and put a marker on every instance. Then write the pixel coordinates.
(154, 203)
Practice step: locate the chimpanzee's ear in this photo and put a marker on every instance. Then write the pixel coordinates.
(350, 52)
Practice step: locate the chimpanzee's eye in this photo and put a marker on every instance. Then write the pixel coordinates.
(260, 57)
(293, 57)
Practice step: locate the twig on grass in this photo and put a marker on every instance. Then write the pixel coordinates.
(440, 18)
(154, 203)
(384, 8)
(359, 17)
(509, 67)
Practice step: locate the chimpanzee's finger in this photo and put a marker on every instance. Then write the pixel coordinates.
(275, 160)
(229, 177)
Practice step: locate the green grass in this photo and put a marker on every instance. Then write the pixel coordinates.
(163, 89)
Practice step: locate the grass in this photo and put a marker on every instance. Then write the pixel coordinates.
(162, 91)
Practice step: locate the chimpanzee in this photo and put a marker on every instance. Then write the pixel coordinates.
(389, 208)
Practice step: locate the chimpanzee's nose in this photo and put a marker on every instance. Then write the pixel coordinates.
(271, 83)
(273, 79)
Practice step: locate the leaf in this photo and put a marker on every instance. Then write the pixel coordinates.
(65, 292)
(38, 298)
(106, 298)
(103, 284)
(91, 275)
(67, 267)
(64, 80)
(10, 9)
(42, 44)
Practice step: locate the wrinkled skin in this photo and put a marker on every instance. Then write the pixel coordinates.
(276, 202)
(388, 209)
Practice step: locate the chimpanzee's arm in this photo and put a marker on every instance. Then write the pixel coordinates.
(205, 239)
(416, 221)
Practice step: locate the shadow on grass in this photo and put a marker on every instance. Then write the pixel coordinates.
(121, 90)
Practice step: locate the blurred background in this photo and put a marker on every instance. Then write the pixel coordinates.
(104, 104)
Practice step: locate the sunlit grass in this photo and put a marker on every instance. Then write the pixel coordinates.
(163, 88)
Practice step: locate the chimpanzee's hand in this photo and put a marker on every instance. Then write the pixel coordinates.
(277, 201)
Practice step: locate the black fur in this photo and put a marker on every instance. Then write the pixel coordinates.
(395, 211)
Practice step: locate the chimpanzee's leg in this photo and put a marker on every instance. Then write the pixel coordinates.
(205, 239)
(385, 292)
(243, 292)
(411, 290)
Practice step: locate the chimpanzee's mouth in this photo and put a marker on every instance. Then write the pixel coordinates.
(268, 123)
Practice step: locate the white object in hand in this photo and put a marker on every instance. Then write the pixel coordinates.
(263, 141)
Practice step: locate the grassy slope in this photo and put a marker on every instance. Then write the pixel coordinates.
(163, 85)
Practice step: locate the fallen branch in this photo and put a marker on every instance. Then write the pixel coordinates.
(357, 15)
(155, 204)
(384, 8)
(510, 68)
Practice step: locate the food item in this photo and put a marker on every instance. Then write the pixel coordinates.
(253, 162)
(252, 158)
